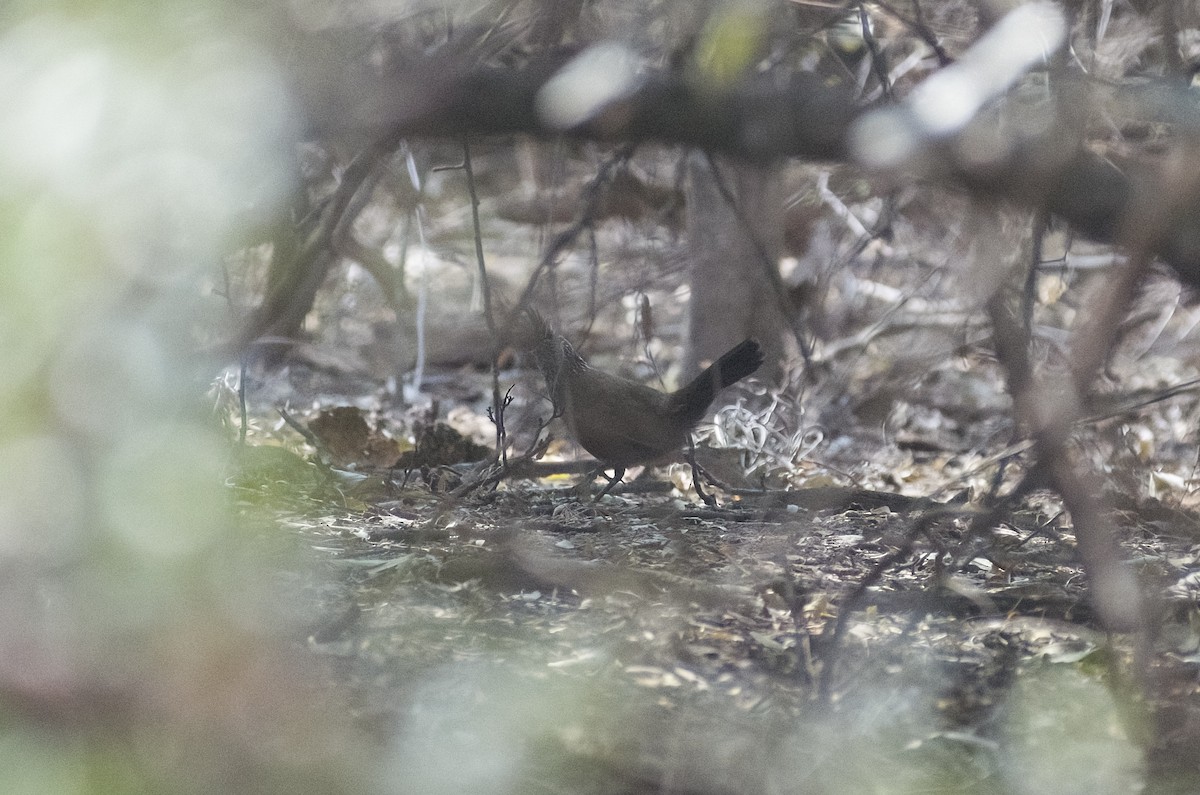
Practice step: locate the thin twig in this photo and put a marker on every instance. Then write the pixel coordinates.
(590, 200)
(918, 26)
(243, 414)
(486, 288)
(311, 261)
(850, 604)
(1041, 223)
(878, 63)
(300, 428)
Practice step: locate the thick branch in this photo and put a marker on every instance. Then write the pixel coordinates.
(767, 117)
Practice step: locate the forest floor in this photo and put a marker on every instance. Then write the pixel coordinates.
(852, 632)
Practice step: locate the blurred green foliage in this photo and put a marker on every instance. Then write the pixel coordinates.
(139, 140)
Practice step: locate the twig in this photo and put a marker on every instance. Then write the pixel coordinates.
(497, 418)
(497, 343)
(1041, 223)
(917, 25)
(343, 241)
(243, 414)
(590, 199)
(310, 262)
(495, 472)
(499, 466)
(878, 64)
(698, 475)
(849, 605)
(299, 428)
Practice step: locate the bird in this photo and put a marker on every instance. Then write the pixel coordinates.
(621, 422)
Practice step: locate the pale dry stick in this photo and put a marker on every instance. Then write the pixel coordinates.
(834, 202)
(758, 435)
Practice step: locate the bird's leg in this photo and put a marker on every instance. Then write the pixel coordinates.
(618, 473)
(698, 474)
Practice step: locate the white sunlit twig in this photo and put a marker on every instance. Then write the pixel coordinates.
(423, 290)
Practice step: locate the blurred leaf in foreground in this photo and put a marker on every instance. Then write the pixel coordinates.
(137, 651)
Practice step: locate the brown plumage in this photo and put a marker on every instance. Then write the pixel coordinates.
(621, 422)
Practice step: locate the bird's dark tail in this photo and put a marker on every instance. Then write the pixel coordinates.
(693, 400)
(735, 364)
